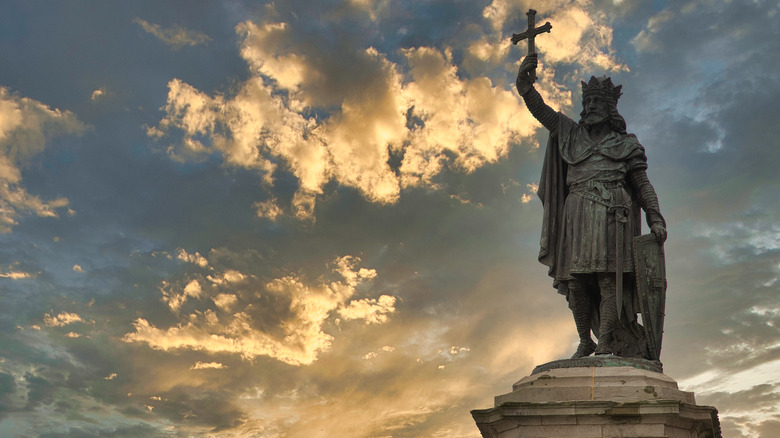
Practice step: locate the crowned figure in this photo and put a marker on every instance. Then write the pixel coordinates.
(593, 188)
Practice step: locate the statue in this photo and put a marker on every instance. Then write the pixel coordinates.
(592, 187)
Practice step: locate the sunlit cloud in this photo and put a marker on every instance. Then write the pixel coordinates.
(61, 319)
(471, 120)
(175, 298)
(176, 37)
(15, 275)
(268, 209)
(458, 350)
(373, 311)
(97, 94)
(302, 337)
(581, 37)
(228, 276)
(530, 195)
(225, 301)
(195, 258)
(207, 366)
(26, 125)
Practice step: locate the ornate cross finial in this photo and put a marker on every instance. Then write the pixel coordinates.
(531, 33)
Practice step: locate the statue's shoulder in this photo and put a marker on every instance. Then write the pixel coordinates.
(632, 142)
(566, 126)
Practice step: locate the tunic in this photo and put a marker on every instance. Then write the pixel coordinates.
(594, 175)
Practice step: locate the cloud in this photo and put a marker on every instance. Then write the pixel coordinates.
(366, 117)
(228, 276)
(25, 127)
(716, 184)
(225, 301)
(176, 37)
(579, 36)
(195, 258)
(207, 366)
(61, 319)
(470, 119)
(268, 209)
(645, 40)
(373, 311)
(295, 340)
(15, 275)
(175, 298)
(530, 195)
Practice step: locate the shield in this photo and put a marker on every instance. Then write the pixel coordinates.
(650, 268)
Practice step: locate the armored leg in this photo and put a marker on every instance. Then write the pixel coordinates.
(581, 307)
(608, 312)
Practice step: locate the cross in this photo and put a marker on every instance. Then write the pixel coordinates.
(531, 33)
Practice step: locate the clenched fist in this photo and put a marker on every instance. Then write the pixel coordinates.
(526, 75)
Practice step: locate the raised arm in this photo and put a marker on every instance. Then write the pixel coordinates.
(547, 116)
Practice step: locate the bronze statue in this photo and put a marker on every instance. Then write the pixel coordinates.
(593, 184)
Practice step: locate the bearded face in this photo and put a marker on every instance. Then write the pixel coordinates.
(595, 110)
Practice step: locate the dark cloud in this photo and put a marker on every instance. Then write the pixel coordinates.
(132, 431)
(701, 73)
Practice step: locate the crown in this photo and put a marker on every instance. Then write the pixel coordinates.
(602, 87)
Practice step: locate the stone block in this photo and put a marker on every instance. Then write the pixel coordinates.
(597, 402)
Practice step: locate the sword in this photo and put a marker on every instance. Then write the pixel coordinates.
(621, 219)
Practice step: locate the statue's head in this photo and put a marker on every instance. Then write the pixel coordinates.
(599, 103)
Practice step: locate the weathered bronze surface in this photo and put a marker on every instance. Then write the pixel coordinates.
(601, 362)
(593, 188)
(651, 289)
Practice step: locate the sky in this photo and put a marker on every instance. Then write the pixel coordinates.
(294, 218)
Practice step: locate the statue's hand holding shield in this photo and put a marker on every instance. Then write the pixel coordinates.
(659, 232)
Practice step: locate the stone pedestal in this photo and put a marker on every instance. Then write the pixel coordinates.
(600, 397)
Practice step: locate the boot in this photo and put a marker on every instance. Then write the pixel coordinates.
(580, 305)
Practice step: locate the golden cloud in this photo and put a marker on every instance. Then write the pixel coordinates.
(579, 36)
(195, 258)
(296, 340)
(61, 319)
(471, 118)
(428, 116)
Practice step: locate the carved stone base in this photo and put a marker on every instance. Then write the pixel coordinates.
(597, 401)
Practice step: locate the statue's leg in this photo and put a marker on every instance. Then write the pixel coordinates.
(581, 306)
(608, 312)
